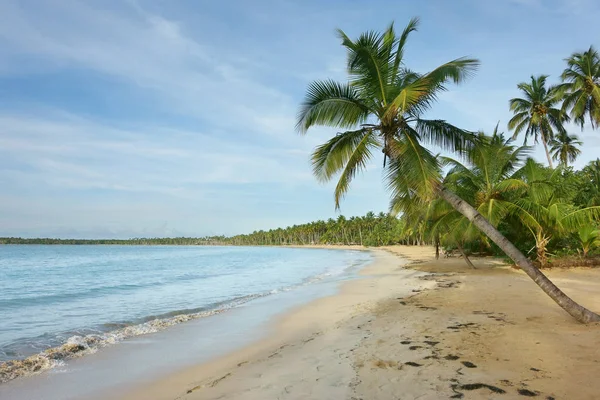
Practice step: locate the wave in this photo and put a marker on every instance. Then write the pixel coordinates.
(80, 345)
(84, 342)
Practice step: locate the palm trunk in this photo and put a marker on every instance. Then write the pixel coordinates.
(464, 255)
(437, 246)
(578, 312)
(547, 152)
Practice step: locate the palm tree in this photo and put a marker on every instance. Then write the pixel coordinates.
(564, 148)
(589, 238)
(381, 107)
(488, 182)
(582, 87)
(537, 113)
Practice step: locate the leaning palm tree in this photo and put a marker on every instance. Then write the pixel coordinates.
(582, 87)
(536, 113)
(381, 107)
(564, 148)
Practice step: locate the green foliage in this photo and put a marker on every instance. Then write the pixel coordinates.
(589, 238)
(588, 185)
(581, 87)
(369, 230)
(489, 182)
(537, 208)
(380, 108)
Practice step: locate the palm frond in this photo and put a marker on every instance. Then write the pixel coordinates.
(333, 104)
(332, 156)
(356, 162)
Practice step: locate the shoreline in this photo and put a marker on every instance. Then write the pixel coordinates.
(80, 345)
(300, 325)
(461, 334)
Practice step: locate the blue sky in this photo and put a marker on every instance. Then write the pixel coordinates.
(159, 118)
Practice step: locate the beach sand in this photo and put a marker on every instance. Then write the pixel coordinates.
(434, 329)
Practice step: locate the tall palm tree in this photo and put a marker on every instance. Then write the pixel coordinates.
(564, 148)
(582, 87)
(537, 113)
(381, 107)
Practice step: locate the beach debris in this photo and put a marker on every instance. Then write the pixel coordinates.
(413, 364)
(476, 386)
(468, 364)
(384, 364)
(218, 380)
(527, 393)
(460, 326)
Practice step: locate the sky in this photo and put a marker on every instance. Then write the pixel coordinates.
(146, 118)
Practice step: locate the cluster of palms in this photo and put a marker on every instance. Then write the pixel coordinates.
(543, 110)
(382, 107)
(537, 207)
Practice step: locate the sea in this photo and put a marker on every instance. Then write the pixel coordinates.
(62, 304)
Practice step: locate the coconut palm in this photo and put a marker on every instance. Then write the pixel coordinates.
(582, 87)
(537, 113)
(589, 238)
(564, 148)
(381, 107)
(488, 182)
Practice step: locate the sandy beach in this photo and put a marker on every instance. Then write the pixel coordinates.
(414, 328)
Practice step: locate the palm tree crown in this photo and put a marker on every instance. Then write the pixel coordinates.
(381, 107)
(565, 149)
(537, 113)
(488, 182)
(582, 87)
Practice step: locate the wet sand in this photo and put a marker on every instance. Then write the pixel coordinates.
(436, 329)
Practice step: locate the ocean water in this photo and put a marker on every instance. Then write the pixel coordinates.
(96, 296)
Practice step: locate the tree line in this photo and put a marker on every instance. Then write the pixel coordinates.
(369, 230)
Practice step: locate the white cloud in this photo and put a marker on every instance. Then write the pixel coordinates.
(86, 154)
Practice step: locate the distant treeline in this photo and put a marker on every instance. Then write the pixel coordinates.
(370, 230)
(136, 241)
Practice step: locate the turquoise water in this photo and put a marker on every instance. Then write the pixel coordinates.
(51, 295)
